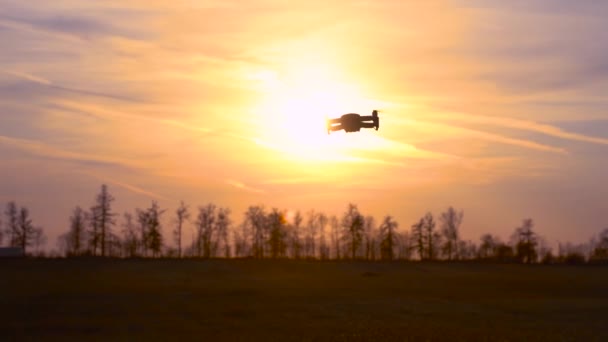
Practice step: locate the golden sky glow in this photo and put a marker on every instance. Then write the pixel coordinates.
(499, 110)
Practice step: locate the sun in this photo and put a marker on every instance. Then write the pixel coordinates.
(294, 107)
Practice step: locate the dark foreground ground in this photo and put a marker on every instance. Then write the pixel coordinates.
(244, 300)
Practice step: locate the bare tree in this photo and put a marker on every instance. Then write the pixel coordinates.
(353, 225)
(335, 236)
(104, 217)
(488, 247)
(182, 215)
(467, 250)
(388, 238)
(154, 229)
(242, 247)
(569, 253)
(25, 234)
(450, 222)
(295, 243)
(369, 232)
(600, 247)
(323, 245)
(312, 227)
(255, 224)
(223, 223)
(277, 242)
(526, 241)
(94, 236)
(144, 240)
(418, 235)
(432, 237)
(130, 236)
(205, 227)
(101, 219)
(39, 239)
(12, 223)
(405, 246)
(75, 237)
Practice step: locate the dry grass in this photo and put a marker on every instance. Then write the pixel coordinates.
(244, 300)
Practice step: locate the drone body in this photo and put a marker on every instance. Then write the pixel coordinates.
(353, 122)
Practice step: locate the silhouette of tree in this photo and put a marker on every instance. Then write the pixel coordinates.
(154, 236)
(388, 238)
(526, 242)
(419, 237)
(131, 243)
(323, 220)
(432, 237)
(335, 236)
(223, 223)
(572, 253)
(600, 248)
(12, 223)
(488, 247)
(25, 234)
(312, 227)
(1, 231)
(450, 222)
(277, 240)
(93, 233)
(467, 250)
(545, 253)
(549, 258)
(369, 233)
(103, 218)
(242, 248)
(255, 223)
(205, 226)
(39, 239)
(504, 253)
(405, 248)
(294, 236)
(353, 225)
(144, 240)
(76, 236)
(270, 234)
(181, 216)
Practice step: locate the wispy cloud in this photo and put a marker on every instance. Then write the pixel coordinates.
(103, 113)
(43, 81)
(27, 76)
(287, 181)
(42, 150)
(518, 124)
(17, 25)
(483, 135)
(243, 186)
(127, 186)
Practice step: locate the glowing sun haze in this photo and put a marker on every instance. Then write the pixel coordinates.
(494, 107)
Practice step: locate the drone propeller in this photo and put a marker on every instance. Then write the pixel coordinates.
(376, 118)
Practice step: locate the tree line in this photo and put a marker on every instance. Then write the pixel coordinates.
(273, 233)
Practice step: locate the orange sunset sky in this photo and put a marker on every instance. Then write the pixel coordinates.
(498, 108)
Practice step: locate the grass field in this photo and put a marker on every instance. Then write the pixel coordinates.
(244, 300)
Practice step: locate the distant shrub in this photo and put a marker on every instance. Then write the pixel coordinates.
(574, 259)
(548, 259)
(599, 256)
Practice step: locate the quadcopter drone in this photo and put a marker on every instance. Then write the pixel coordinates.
(353, 122)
